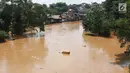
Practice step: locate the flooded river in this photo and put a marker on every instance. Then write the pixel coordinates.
(43, 54)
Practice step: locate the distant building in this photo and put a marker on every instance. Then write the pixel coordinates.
(70, 15)
(55, 19)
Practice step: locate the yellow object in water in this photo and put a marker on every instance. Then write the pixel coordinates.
(65, 52)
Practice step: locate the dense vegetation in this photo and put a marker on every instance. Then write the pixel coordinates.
(95, 20)
(58, 8)
(62, 7)
(104, 18)
(17, 15)
(3, 35)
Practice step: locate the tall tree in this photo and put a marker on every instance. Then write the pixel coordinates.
(58, 8)
(123, 30)
(96, 21)
(19, 14)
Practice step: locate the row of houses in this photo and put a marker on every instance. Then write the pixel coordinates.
(70, 15)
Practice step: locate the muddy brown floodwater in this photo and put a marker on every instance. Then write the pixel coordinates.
(43, 54)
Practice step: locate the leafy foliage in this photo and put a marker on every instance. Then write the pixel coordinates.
(58, 8)
(21, 14)
(102, 18)
(3, 35)
(123, 30)
(95, 20)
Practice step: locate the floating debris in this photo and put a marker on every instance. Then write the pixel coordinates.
(84, 45)
(37, 58)
(65, 52)
(41, 68)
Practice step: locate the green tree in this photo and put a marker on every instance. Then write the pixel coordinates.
(96, 21)
(39, 16)
(102, 18)
(3, 35)
(123, 27)
(20, 14)
(58, 8)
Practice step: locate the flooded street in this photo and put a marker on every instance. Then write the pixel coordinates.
(43, 54)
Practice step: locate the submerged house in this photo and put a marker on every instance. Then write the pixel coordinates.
(55, 19)
(71, 15)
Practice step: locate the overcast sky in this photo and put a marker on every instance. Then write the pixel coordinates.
(67, 1)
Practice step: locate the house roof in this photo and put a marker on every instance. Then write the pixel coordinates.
(55, 17)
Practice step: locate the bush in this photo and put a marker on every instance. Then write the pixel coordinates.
(123, 28)
(123, 31)
(3, 35)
